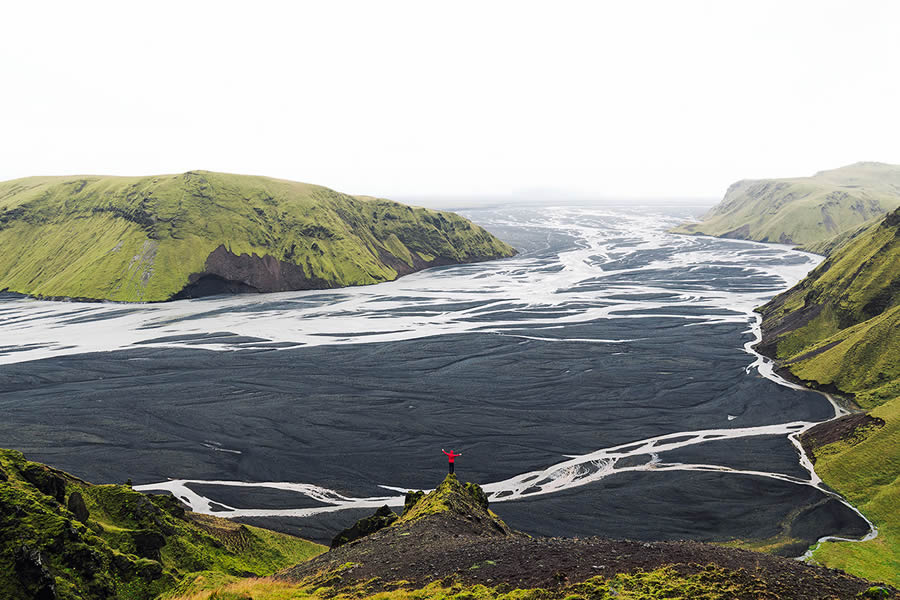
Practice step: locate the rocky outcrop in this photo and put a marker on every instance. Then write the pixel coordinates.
(46, 481)
(31, 569)
(412, 497)
(383, 517)
(77, 507)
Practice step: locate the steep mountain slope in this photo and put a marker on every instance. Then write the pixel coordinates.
(450, 545)
(61, 537)
(199, 233)
(837, 330)
(803, 210)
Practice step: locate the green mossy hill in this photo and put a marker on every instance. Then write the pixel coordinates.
(157, 238)
(864, 466)
(809, 211)
(63, 538)
(837, 330)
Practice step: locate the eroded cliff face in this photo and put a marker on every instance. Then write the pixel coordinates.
(229, 273)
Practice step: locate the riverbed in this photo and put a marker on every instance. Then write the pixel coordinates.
(601, 382)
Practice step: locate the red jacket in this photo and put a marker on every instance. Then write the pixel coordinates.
(451, 455)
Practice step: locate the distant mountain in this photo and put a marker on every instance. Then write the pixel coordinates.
(803, 210)
(838, 330)
(199, 233)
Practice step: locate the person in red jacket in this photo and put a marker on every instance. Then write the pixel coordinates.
(450, 456)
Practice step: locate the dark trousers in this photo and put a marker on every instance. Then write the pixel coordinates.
(451, 467)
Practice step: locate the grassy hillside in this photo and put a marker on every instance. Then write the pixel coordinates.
(803, 210)
(149, 238)
(837, 330)
(62, 538)
(866, 470)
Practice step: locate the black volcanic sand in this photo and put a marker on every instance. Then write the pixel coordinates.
(772, 453)
(255, 497)
(350, 417)
(686, 505)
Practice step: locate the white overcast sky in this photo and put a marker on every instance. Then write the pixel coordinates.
(400, 99)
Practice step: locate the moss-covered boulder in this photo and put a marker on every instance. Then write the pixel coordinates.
(412, 497)
(383, 517)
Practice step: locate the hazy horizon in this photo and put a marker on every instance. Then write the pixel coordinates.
(407, 100)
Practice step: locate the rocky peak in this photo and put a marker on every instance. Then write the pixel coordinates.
(462, 504)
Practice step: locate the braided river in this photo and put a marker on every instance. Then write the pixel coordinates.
(601, 382)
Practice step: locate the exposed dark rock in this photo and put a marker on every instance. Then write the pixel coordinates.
(383, 517)
(77, 506)
(213, 285)
(893, 220)
(741, 233)
(477, 494)
(773, 329)
(149, 569)
(147, 543)
(411, 498)
(33, 575)
(46, 481)
(229, 273)
(172, 505)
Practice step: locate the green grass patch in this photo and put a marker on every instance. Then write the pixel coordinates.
(867, 472)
